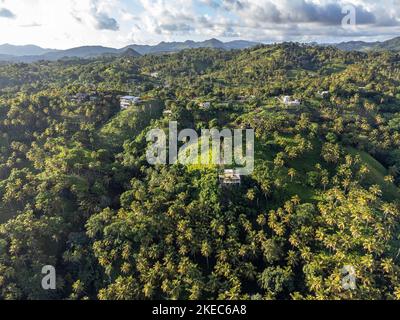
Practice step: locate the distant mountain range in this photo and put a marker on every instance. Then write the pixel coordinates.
(178, 46)
(392, 44)
(31, 53)
(19, 51)
(8, 53)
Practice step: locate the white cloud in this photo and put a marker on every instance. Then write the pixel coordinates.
(5, 13)
(52, 24)
(67, 23)
(95, 13)
(268, 20)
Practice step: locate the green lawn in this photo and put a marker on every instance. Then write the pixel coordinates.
(377, 174)
(127, 124)
(303, 165)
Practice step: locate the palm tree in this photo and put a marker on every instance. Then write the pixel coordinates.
(389, 179)
(375, 190)
(296, 200)
(292, 173)
(325, 179)
(389, 208)
(206, 251)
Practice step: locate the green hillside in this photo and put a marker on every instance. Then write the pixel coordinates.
(85, 198)
(377, 174)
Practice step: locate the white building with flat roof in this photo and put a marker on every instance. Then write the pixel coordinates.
(205, 105)
(287, 100)
(128, 101)
(230, 177)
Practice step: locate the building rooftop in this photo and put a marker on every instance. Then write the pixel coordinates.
(229, 176)
(288, 101)
(206, 104)
(128, 101)
(129, 97)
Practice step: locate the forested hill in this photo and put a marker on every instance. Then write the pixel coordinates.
(32, 53)
(77, 192)
(391, 44)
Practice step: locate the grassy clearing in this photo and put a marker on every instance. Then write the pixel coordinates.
(376, 175)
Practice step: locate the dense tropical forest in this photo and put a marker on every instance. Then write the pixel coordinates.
(77, 192)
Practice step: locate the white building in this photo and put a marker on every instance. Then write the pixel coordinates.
(287, 100)
(205, 105)
(323, 94)
(128, 101)
(230, 177)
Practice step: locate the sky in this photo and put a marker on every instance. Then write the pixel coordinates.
(65, 24)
